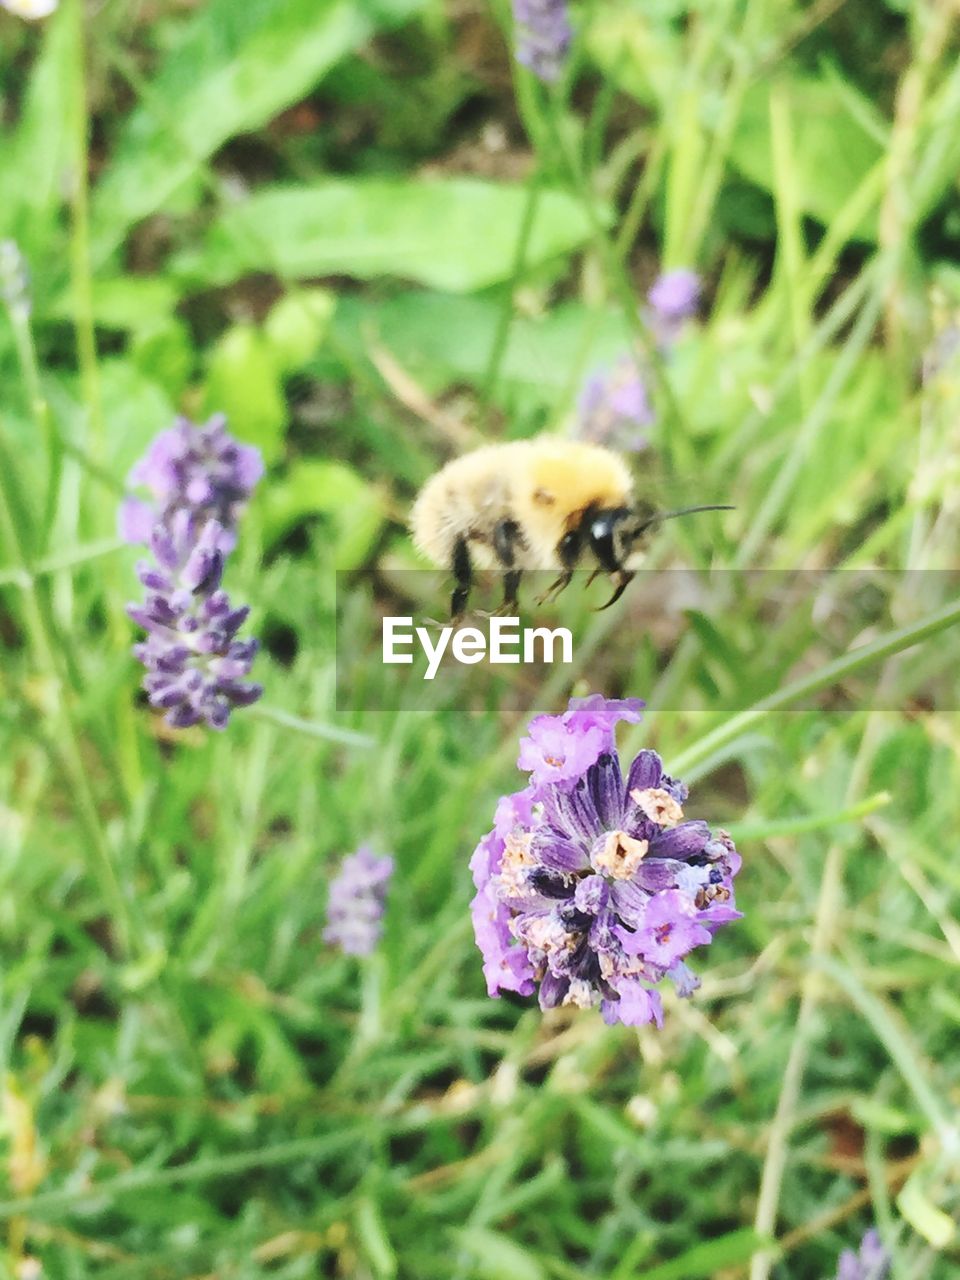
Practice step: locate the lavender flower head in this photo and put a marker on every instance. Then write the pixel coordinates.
(615, 408)
(594, 886)
(357, 897)
(200, 469)
(196, 666)
(871, 1263)
(673, 300)
(544, 36)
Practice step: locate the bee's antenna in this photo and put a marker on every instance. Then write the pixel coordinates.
(687, 511)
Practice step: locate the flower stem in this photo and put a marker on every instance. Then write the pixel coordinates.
(49, 648)
(703, 755)
(128, 754)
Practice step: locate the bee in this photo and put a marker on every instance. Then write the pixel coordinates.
(546, 503)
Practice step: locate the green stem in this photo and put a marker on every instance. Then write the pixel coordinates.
(832, 673)
(312, 728)
(74, 1198)
(61, 560)
(807, 822)
(499, 347)
(39, 411)
(49, 647)
(128, 753)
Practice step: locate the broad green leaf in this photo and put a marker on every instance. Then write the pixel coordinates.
(642, 55)
(332, 489)
(243, 381)
(125, 302)
(297, 325)
(458, 234)
(833, 149)
(34, 165)
(235, 66)
(439, 340)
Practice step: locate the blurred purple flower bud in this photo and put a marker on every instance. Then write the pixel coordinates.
(615, 408)
(871, 1263)
(357, 897)
(200, 469)
(544, 36)
(673, 300)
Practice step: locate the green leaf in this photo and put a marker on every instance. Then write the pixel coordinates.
(124, 302)
(704, 1260)
(496, 1257)
(34, 166)
(297, 325)
(439, 340)
(331, 489)
(235, 66)
(458, 234)
(243, 382)
(833, 148)
(643, 56)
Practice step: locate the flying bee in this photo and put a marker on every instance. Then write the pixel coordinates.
(547, 503)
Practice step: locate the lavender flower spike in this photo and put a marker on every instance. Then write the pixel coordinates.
(673, 299)
(593, 885)
(203, 470)
(357, 897)
(871, 1263)
(544, 36)
(615, 407)
(195, 663)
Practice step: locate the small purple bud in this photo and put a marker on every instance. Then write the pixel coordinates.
(357, 897)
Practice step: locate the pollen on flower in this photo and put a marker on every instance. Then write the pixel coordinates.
(620, 855)
(516, 859)
(579, 994)
(659, 806)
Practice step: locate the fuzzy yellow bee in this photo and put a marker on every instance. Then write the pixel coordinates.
(546, 503)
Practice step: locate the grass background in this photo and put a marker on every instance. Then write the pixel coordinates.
(358, 229)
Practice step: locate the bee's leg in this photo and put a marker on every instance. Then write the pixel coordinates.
(511, 586)
(623, 580)
(506, 538)
(462, 571)
(555, 587)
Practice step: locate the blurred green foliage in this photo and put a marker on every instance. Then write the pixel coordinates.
(360, 230)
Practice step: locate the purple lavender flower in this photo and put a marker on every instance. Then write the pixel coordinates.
(593, 886)
(615, 408)
(195, 663)
(872, 1263)
(673, 299)
(203, 470)
(357, 896)
(561, 748)
(544, 36)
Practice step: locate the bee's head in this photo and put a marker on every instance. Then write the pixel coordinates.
(617, 534)
(613, 534)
